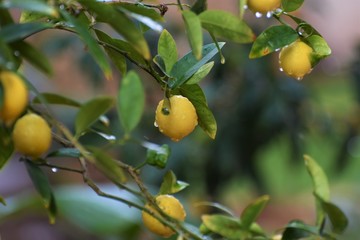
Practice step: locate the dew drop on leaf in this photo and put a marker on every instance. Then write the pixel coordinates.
(54, 170)
(258, 15)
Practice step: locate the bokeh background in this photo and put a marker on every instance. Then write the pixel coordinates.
(266, 122)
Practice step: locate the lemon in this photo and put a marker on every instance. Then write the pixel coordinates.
(171, 206)
(295, 59)
(31, 135)
(263, 6)
(15, 96)
(176, 118)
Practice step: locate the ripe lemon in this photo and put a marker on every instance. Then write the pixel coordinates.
(295, 59)
(176, 118)
(171, 206)
(15, 96)
(31, 135)
(263, 6)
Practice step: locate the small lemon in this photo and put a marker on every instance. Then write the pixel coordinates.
(263, 6)
(295, 59)
(15, 96)
(176, 118)
(171, 206)
(31, 135)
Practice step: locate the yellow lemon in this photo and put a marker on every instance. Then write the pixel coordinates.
(171, 206)
(15, 96)
(31, 135)
(295, 59)
(263, 6)
(176, 117)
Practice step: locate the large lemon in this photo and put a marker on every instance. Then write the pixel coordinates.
(176, 117)
(263, 6)
(31, 135)
(169, 205)
(15, 96)
(295, 59)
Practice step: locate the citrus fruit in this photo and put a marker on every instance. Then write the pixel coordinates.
(15, 96)
(169, 205)
(31, 135)
(263, 6)
(295, 59)
(176, 117)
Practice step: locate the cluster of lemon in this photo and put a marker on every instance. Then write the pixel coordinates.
(31, 134)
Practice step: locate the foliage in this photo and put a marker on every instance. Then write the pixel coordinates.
(131, 20)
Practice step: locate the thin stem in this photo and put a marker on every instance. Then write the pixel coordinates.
(81, 171)
(180, 5)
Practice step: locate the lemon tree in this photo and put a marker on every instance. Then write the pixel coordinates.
(114, 34)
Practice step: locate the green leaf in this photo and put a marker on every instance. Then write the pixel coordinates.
(120, 46)
(218, 206)
(6, 145)
(320, 47)
(171, 185)
(272, 39)
(167, 50)
(320, 184)
(2, 201)
(5, 17)
(130, 101)
(252, 211)
(141, 9)
(201, 73)
(43, 187)
(188, 65)
(145, 21)
(33, 56)
(31, 5)
(90, 112)
(226, 226)
(65, 152)
(7, 58)
(121, 23)
(14, 32)
(242, 4)
(53, 98)
(193, 32)
(157, 155)
(227, 26)
(107, 165)
(298, 230)
(206, 119)
(81, 26)
(291, 5)
(199, 6)
(338, 219)
(30, 16)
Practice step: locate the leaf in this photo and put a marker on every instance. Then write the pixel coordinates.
(217, 206)
(65, 152)
(193, 32)
(5, 17)
(338, 219)
(298, 230)
(242, 4)
(227, 26)
(33, 56)
(121, 23)
(156, 155)
(188, 65)
(14, 32)
(90, 112)
(171, 185)
(252, 211)
(118, 59)
(81, 26)
(31, 5)
(141, 9)
(206, 119)
(226, 226)
(273, 38)
(7, 58)
(42, 185)
(6, 145)
(320, 47)
(201, 73)
(107, 165)
(167, 50)
(130, 101)
(320, 184)
(53, 98)
(199, 6)
(2, 201)
(291, 5)
(147, 21)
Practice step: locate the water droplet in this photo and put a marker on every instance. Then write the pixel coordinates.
(62, 6)
(16, 53)
(258, 15)
(299, 78)
(281, 69)
(269, 14)
(246, 6)
(222, 60)
(54, 170)
(155, 124)
(48, 20)
(278, 49)
(165, 111)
